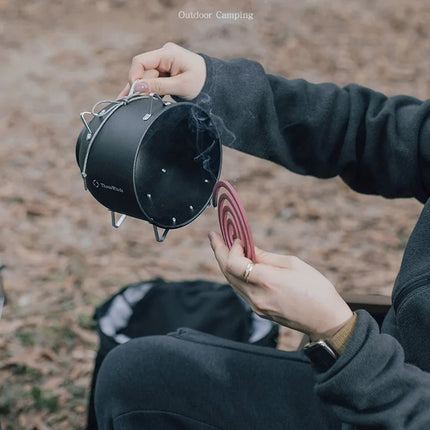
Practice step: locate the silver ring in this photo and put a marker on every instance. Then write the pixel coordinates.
(247, 272)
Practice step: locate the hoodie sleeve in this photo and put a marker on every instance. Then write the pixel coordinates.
(377, 145)
(370, 384)
(411, 294)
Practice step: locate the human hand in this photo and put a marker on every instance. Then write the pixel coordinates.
(169, 70)
(284, 289)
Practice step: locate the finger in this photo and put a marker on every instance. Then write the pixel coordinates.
(272, 259)
(158, 59)
(237, 248)
(221, 254)
(232, 262)
(219, 248)
(173, 86)
(141, 86)
(150, 74)
(215, 239)
(260, 273)
(237, 263)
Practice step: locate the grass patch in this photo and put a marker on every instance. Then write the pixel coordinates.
(43, 399)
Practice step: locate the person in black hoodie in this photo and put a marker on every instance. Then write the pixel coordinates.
(360, 376)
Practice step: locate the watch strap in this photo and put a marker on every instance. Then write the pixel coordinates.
(323, 353)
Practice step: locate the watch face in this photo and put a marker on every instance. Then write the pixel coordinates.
(321, 355)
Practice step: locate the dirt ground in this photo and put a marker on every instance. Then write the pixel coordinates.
(63, 257)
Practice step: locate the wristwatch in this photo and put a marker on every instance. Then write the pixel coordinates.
(321, 354)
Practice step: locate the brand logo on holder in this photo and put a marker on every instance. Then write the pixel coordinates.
(98, 184)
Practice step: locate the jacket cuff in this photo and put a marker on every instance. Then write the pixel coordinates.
(340, 339)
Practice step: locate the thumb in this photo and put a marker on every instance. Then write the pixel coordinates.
(271, 259)
(164, 85)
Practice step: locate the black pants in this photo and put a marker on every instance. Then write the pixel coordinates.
(192, 380)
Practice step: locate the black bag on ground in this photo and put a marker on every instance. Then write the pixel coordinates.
(158, 307)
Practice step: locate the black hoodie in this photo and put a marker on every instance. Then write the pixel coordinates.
(377, 145)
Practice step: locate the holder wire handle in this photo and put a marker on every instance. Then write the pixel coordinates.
(104, 111)
(132, 92)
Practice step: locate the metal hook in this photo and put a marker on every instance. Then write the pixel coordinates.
(152, 96)
(116, 223)
(157, 235)
(82, 115)
(149, 114)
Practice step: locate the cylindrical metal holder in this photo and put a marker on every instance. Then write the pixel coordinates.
(150, 159)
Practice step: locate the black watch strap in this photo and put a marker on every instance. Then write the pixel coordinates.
(321, 354)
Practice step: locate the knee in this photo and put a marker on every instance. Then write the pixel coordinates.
(134, 376)
(137, 360)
